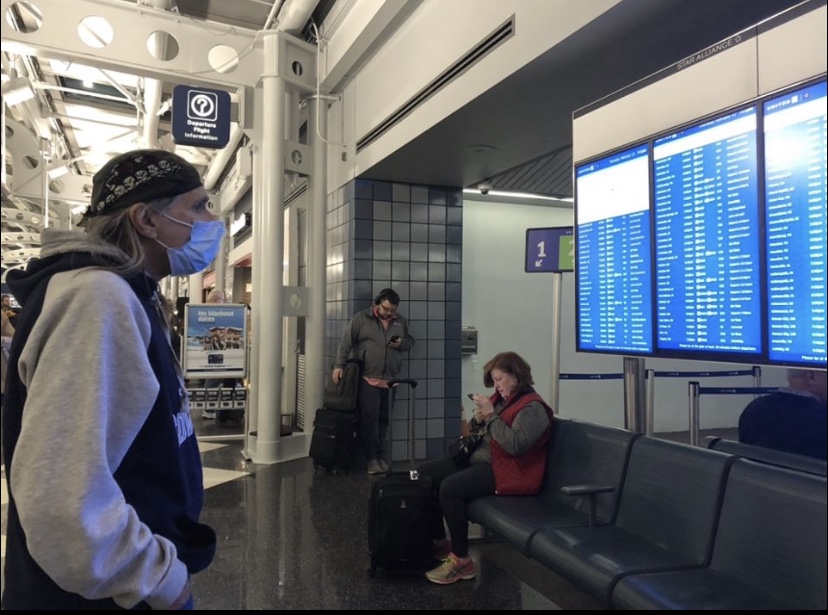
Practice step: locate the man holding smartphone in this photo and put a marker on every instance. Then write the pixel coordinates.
(377, 336)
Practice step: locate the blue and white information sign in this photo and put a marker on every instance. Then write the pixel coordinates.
(215, 345)
(706, 183)
(550, 249)
(796, 222)
(200, 117)
(613, 278)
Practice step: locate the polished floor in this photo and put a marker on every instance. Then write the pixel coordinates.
(293, 538)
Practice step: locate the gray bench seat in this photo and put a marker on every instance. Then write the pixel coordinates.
(770, 550)
(784, 459)
(579, 454)
(667, 511)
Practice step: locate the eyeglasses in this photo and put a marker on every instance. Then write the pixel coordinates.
(390, 309)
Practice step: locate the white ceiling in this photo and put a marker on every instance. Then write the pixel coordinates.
(84, 115)
(516, 136)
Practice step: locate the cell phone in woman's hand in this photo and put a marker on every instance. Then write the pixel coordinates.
(394, 338)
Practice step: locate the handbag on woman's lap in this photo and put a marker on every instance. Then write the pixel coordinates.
(464, 446)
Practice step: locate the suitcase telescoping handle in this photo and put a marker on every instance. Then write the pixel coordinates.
(392, 384)
(397, 381)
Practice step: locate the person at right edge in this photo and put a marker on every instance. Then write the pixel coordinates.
(510, 460)
(377, 336)
(791, 419)
(103, 468)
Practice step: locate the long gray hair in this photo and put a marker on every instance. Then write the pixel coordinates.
(116, 229)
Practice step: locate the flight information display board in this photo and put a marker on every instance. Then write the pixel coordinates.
(613, 253)
(795, 219)
(707, 241)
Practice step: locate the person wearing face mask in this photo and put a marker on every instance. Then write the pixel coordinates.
(377, 337)
(103, 469)
(510, 460)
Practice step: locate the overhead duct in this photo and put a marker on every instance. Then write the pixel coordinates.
(294, 14)
(503, 33)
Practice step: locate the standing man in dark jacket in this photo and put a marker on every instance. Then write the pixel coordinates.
(377, 336)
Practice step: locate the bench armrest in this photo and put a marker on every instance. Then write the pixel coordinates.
(590, 491)
(586, 489)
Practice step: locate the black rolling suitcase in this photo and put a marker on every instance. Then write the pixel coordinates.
(400, 512)
(334, 440)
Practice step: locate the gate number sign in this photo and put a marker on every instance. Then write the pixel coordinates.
(550, 249)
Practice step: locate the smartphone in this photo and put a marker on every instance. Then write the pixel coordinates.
(395, 338)
(471, 396)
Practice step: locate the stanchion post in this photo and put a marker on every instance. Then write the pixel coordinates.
(693, 393)
(634, 394)
(757, 377)
(555, 363)
(649, 376)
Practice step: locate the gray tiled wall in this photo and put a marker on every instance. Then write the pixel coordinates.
(409, 238)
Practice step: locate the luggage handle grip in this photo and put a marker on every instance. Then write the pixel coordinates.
(397, 381)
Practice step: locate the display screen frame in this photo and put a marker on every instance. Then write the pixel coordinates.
(759, 284)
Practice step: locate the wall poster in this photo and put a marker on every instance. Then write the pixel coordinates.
(215, 340)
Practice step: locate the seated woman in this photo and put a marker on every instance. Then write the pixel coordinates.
(510, 460)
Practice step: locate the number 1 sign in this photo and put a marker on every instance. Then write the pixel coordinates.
(550, 249)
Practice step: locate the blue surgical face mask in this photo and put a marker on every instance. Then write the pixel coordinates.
(199, 251)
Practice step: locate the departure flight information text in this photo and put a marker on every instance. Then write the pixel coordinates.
(707, 243)
(795, 218)
(613, 261)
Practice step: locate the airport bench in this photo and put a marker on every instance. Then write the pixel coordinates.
(674, 526)
(802, 463)
(666, 515)
(769, 552)
(584, 460)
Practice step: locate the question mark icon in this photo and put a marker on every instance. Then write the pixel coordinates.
(202, 106)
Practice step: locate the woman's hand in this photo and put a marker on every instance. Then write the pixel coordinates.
(484, 407)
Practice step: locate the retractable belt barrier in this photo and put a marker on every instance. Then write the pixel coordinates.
(650, 375)
(590, 376)
(695, 391)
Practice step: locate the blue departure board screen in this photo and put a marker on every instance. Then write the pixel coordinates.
(708, 242)
(795, 219)
(613, 263)
(707, 238)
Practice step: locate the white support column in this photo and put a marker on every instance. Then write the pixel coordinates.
(269, 335)
(195, 287)
(174, 290)
(251, 437)
(315, 364)
(221, 262)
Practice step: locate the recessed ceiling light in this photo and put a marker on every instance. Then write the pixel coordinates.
(481, 149)
(517, 195)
